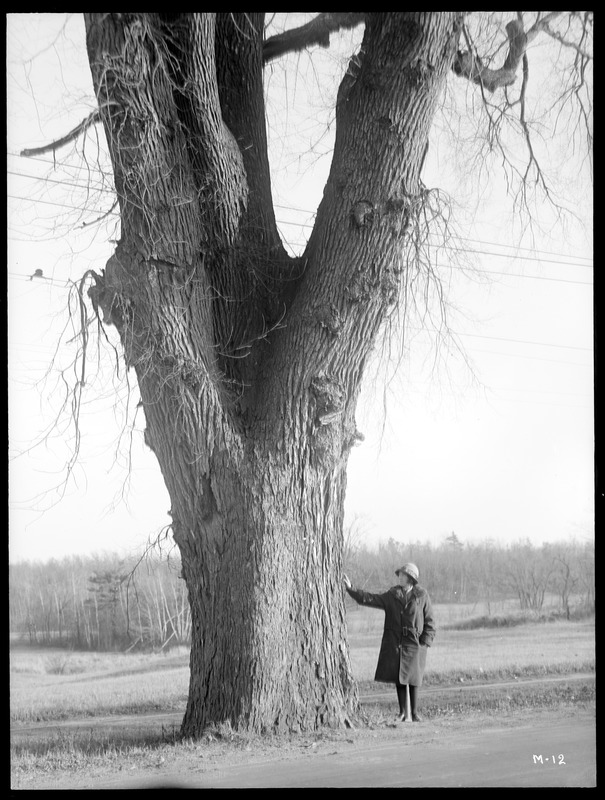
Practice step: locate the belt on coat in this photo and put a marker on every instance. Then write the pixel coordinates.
(405, 631)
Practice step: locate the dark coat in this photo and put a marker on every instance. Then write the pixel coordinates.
(409, 629)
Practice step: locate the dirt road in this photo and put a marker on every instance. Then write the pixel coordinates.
(528, 755)
(525, 749)
(492, 758)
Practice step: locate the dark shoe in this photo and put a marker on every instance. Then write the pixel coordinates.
(401, 717)
(416, 718)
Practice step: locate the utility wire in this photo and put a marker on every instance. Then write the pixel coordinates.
(312, 213)
(441, 247)
(52, 348)
(64, 205)
(516, 341)
(464, 239)
(474, 250)
(523, 341)
(530, 358)
(89, 188)
(414, 329)
(45, 352)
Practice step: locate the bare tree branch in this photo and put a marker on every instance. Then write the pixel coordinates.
(91, 119)
(559, 38)
(315, 32)
(469, 65)
(508, 112)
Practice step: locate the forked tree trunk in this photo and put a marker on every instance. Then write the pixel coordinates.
(250, 363)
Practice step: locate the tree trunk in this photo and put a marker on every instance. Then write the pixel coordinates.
(250, 363)
(268, 625)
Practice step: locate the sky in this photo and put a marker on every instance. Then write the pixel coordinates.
(488, 433)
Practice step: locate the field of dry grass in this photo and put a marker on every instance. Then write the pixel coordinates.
(483, 653)
(57, 684)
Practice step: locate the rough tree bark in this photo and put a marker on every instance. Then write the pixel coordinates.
(249, 362)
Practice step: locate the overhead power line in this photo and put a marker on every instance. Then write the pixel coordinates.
(516, 341)
(524, 341)
(465, 239)
(516, 248)
(456, 333)
(473, 250)
(85, 187)
(110, 213)
(530, 358)
(64, 205)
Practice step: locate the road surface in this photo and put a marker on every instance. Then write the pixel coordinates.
(547, 756)
(542, 750)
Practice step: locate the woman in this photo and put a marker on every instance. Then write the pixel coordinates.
(409, 629)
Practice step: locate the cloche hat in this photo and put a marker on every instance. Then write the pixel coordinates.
(409, 569)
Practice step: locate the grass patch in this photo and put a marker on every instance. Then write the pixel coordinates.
(63, 697)
(490, 653)
(56, 684)
(45, 660)
(498, 699)
(114, 684)
(520, 618)
(91, 743)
